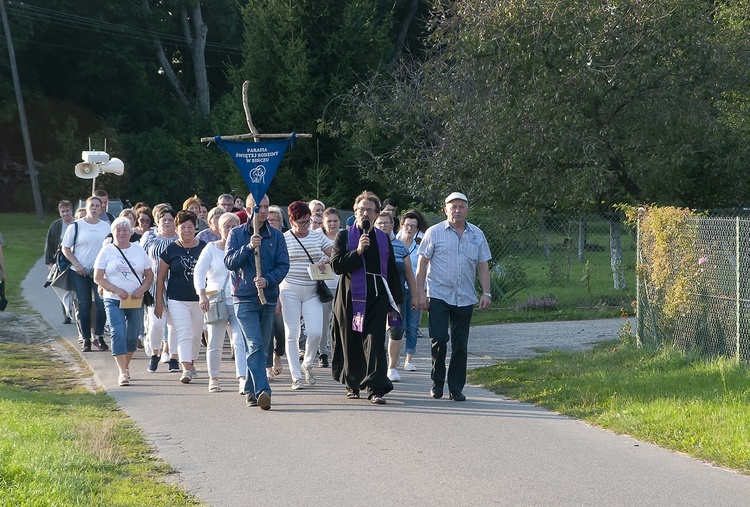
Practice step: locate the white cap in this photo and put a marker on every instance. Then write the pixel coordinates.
(456, 195)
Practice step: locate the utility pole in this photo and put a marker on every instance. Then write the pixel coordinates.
(22, 117)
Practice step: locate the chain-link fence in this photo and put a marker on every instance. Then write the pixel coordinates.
(704, 302)
(556, 262)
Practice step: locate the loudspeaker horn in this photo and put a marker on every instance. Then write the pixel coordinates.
(87, 170)
(114, 166)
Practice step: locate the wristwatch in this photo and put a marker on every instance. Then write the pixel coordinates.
(488, 294)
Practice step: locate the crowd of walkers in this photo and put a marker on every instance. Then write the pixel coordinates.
(170, 281)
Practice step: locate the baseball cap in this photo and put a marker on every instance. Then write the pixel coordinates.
(456, 195)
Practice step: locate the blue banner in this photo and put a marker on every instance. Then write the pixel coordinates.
(257, 162)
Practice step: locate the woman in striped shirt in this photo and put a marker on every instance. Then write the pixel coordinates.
(298, 293)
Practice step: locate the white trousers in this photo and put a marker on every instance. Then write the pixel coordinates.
(296, 301)
(216, 333)
(186, 318)
(155, 331)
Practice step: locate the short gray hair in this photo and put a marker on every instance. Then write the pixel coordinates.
(119, 222)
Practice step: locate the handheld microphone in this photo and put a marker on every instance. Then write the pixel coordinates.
(366, 229)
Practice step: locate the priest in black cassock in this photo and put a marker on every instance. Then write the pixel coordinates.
(367, 296)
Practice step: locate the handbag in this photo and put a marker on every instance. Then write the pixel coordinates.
(61, 261)
(217, 306)
(324, 293)
(148, 298)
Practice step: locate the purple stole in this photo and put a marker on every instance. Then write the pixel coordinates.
(359, 276)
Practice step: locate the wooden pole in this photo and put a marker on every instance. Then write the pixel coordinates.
(22, 118)
(255, 136)
(256, 227)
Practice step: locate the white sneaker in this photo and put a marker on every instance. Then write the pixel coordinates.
(164, 356)
(393, 375)
(309, 378)
(241, 385)
(409, 367)
(297, 384)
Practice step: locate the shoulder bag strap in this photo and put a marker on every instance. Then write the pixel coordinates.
(75, 236)
(129, 265)
(303, 247)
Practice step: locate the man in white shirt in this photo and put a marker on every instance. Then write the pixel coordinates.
(450, 255)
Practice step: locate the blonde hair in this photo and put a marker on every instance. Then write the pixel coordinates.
(128, 212)
(191, 201)
(217, 210)
(312, 204)
(226, 217)
(276, 211)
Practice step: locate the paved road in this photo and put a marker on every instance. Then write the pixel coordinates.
(315, 447)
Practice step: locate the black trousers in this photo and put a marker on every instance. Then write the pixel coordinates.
(458, 319)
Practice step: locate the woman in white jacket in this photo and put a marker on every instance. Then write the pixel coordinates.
(212, 276)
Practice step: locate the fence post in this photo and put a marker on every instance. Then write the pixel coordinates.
(639, 305)
(737, 287)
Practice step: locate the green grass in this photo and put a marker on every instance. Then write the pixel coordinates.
(59, 443)
(671, 398)
(580, 289)
(23, 244)
(63, 445)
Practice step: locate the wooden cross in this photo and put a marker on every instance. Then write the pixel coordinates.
(256, 136)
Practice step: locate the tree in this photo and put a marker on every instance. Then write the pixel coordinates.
(564, 106)
(301, 56)
(94, 75)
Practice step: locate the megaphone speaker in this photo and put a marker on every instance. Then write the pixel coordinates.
(87, 170)
(114, 166)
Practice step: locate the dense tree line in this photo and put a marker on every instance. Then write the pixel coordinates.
(536, 104)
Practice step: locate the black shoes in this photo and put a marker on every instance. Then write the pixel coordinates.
(436, 392)
(66, 320)
(153, 363)
(457, 396)
(86, 346)
(323, 361)
(99, 343)
(251, 401)
(174, 366)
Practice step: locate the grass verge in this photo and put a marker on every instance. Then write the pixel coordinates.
(61, 444)
(667, 397)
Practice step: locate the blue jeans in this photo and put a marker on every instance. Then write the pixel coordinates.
(83, 287)
(256, 324)
(126, 326)
(410, 325)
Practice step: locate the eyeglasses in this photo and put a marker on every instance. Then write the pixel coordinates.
(409, 226)
(302, 223)
(364, 210)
